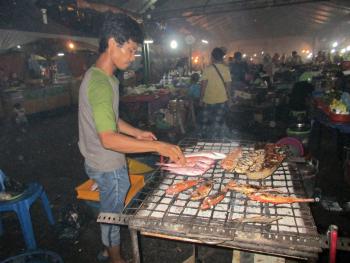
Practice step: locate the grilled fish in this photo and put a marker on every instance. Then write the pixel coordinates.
(248, 189)
(212, 200)
(187, 165)
(202, 159)
(190, 171)
(278, 199)
(211, 155)
(202, 191)
(230, 162)
(181, 186)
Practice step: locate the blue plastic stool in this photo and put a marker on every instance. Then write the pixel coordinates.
(21, 206)
(37, 256)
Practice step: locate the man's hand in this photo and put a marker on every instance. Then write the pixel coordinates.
(172, 151)
(145, 135)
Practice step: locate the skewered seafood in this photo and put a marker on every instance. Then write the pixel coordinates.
(278, 199)
(181, 186)
(202, 191)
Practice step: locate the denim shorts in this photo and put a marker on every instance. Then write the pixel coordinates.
(113, 187)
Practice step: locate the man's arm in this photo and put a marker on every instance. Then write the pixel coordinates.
(122, 143)
(127, 129)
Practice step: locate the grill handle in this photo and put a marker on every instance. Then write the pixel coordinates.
(213, 241)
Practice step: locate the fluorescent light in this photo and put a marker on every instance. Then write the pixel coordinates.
(173, 44)
(205, 41)
(335, 44)
(137, 55)
(255, 55)
(262, 52)
(244, 55)
(18, 46)
(60, 54)
(333, 50)
(309, 55)
(343, 50)
(148, 41)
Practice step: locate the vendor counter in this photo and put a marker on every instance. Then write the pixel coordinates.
(39, 99)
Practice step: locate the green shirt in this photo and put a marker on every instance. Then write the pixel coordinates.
(98, 112)
(100, 95)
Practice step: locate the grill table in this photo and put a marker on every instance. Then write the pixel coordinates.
(156, 214)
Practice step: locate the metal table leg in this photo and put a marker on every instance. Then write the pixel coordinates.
(135, 245)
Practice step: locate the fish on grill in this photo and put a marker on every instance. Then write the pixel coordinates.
(212, 155)
(212, 200)
(181, 186)
(230, 162)
(202, 159)
(189, 171)
(187, 165)
(248, 189)
(278, 199)
(202, 191)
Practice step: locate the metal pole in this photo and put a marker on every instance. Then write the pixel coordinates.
(135, 245)
(190, 61)
(146, 62)
(333, 237)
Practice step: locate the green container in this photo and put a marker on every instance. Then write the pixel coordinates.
(302, 136)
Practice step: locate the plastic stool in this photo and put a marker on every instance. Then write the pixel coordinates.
(21, 206)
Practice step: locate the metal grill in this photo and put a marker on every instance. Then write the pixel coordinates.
(293, 235)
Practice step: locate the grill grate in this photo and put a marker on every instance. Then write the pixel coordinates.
(155, 211)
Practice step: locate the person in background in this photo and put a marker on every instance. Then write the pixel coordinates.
(337, 58)
(104, 138)
(238, 70)
(294, 60)
(215, 94)
(194, 91)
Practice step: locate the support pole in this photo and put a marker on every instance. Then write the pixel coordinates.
(135, 245)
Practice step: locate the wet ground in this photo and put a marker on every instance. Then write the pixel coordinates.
(46, 151)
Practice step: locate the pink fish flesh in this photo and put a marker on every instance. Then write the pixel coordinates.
(187, 165)
(202, 159)
(193, 171)
(211, 155)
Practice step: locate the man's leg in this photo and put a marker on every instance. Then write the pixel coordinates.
(115, 255)
(113, 187)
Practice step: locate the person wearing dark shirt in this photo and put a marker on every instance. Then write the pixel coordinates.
(238, 68)
(300, 95)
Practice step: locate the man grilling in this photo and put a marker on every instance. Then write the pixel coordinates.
(104, 138)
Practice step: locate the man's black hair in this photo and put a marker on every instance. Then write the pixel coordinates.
(218, 54)
(122, 28)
